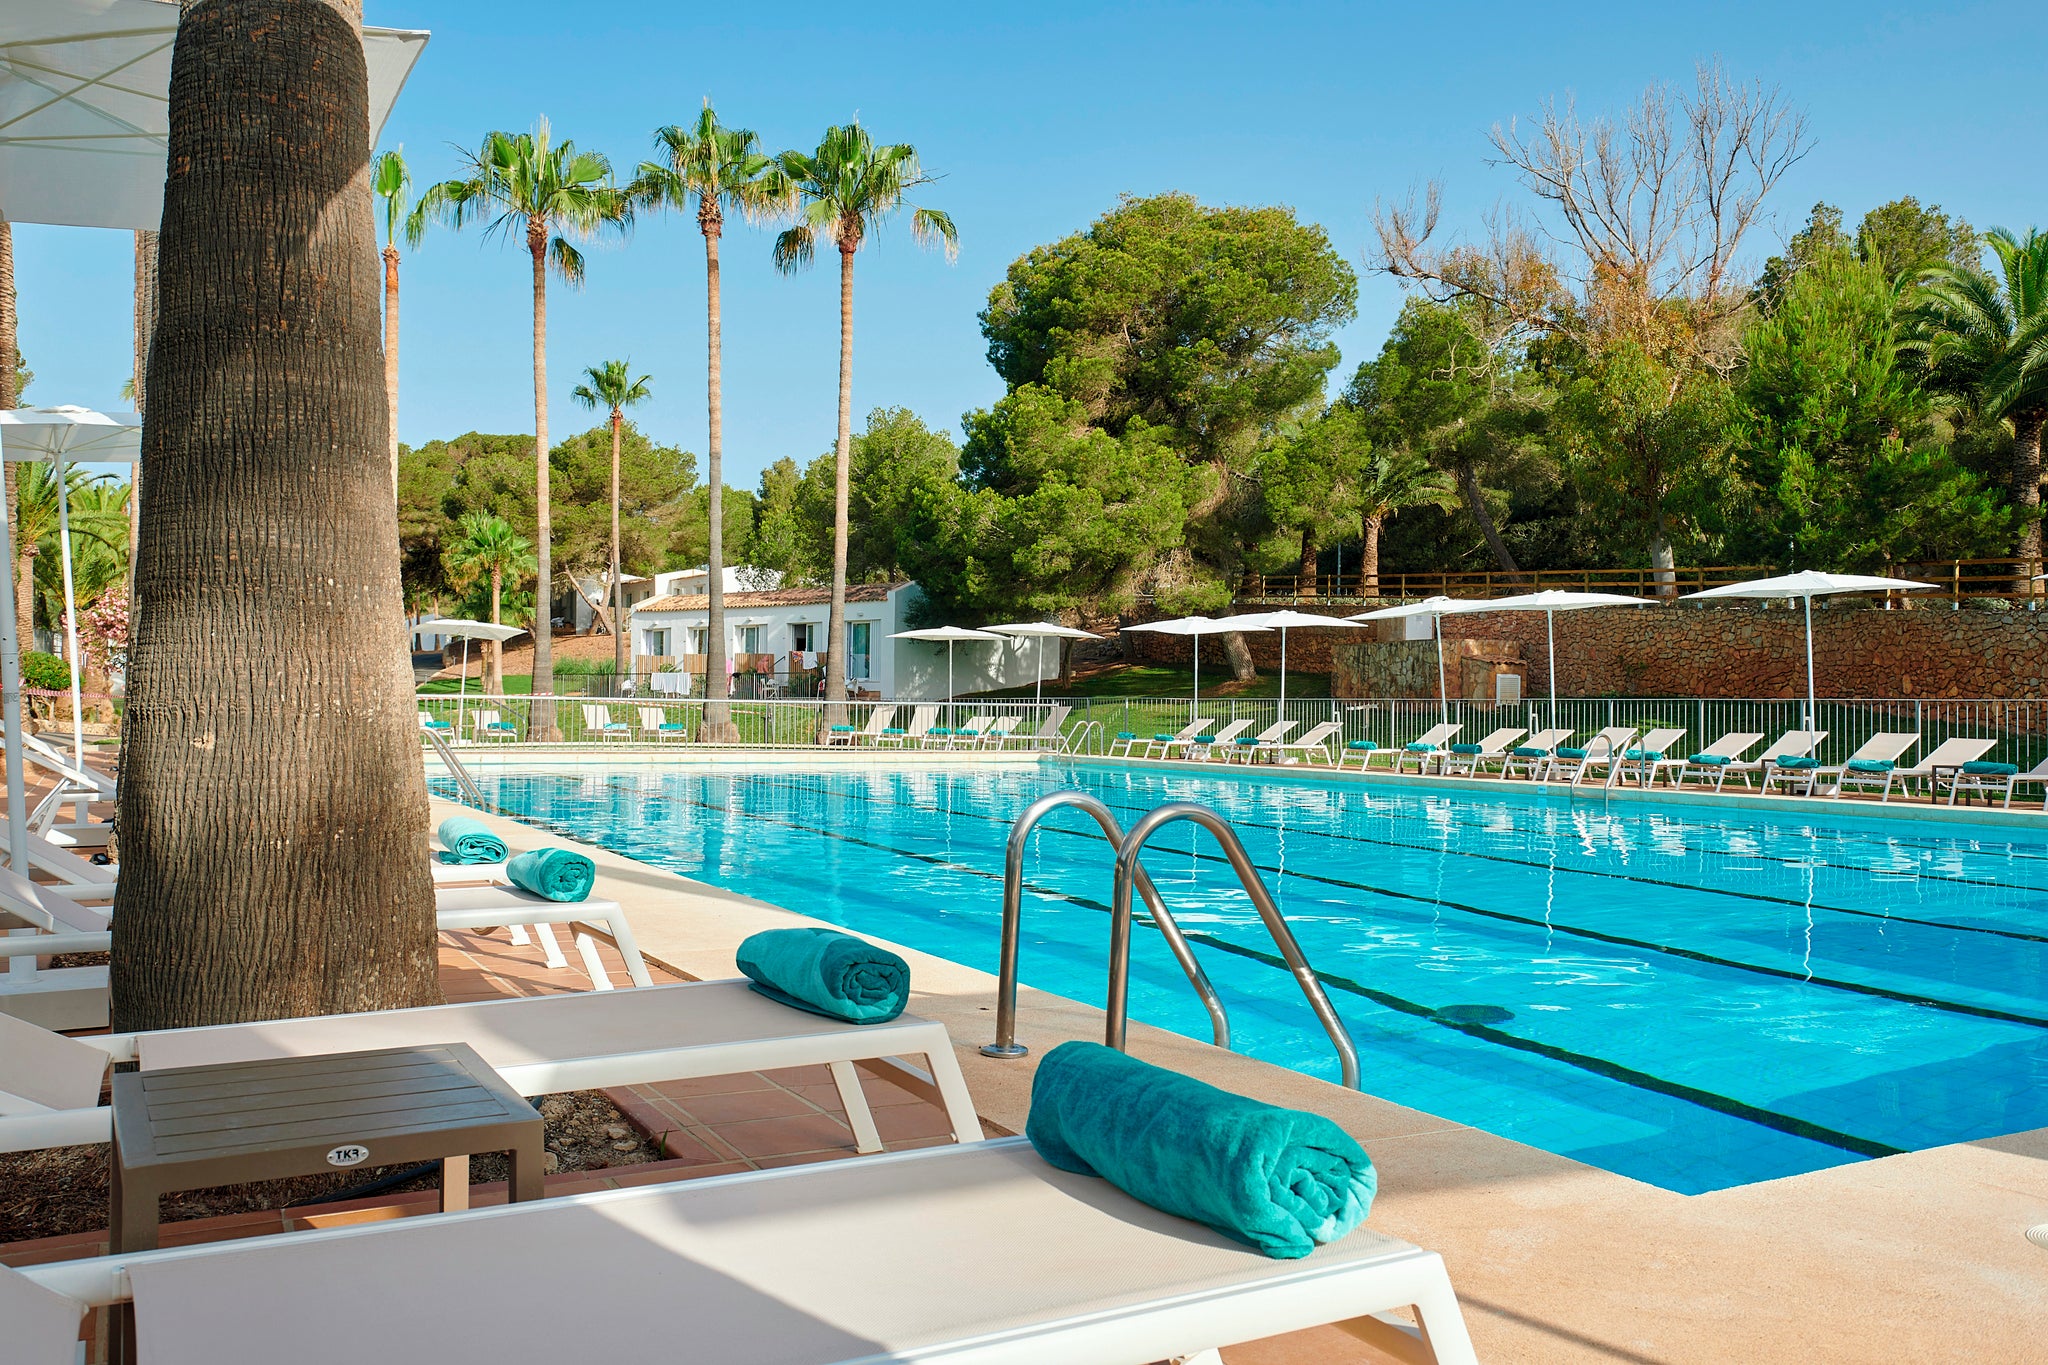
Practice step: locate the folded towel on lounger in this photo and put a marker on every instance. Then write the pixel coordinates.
(1571, 753)
(1524, 751)
(1870, 765)
(1710, 760)
(1644, 755)
(1468, 748)
(559, 874)
(1796, 763)
(467, 841)
(1363, 744)
(1279, 1180)
(1983, 769)
(1421, 748)
(823, 971)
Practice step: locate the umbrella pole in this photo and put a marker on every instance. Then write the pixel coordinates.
(20, 968)
(1283, 676)
(1550, 630)
(1038, 676)
(1809, 661)
(952, 709)
(1195, 706)
(1443, 694)
(462, 688)
(70, 624)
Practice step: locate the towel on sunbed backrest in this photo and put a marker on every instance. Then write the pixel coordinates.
(465, 841)
(1279, 1180)
(823, 971)
(560, 874)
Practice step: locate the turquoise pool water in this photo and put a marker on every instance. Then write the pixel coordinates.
(1694, 997)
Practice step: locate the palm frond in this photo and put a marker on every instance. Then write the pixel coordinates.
(931, 228)
(795, 247)
(567, 260)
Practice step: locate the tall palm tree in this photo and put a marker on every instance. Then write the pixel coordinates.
(24, 607)
(612, 386)
(392, 183)
(847, 188)
(1985, 341)
(490, 547)
(306, 894)
(549, 192)
(725, 169)
(1392, 482)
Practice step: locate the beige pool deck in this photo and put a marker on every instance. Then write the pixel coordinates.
(1912, 1258)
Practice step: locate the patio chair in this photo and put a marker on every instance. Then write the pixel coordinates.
(1532, 753)
(1791, 744)
(431, 724)
(1360, 749)
(1943, 763)
(1873, 764)
(1308, 746)
(871, 733)
(1711, 763)
(492, 727)
(922, 718)
(1492, 749)
(655, 725)
(597, 720)
(979, 1253)
(1641, 760)
(53, 997)
(539, 1044)
(75, 779)
(1423, 749)
(1048, 735)
(967, 736)
(1249, 749)
(1600, 752)
(1165, 743)
(1998, 778)
(1206, 747)
(77, 877)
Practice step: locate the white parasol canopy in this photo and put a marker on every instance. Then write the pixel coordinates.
(1807, 585)
(85, 107)
(1198, 626)
(1042, 631)
(951, 635)
(1552, 601)
(1435, 608)
(1284, 621)
(466, 630)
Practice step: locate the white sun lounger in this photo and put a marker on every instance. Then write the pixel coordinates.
(1791, 744)
(998, 732)
(1423, 749)
(598, 722)
(655, 726)
(1637, 761)
(1206, 747)
(540, 1044)
(1532, 753)
(1048, 734)
(922, 719)
(1166, 745)
(53, 997)
(1942, 763)
(491, 727)
(974, 1255)
(1994, 784)
(1731, 747)
(1601, 751)
(878, 721)
(1249, 749)
(1308, 746)
(1886, 747)
(1492, 749)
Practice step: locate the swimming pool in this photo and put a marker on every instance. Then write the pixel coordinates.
(1694, 997)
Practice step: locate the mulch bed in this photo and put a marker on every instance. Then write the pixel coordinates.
(61, 1190)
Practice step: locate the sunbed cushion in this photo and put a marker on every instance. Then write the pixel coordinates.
(1710, 760)
(1870, 765)
(823, 971)
(1798, 763)
(1280, 1180)
(1982, 769)
(1571, 753)
(1468, 748)
(559, 874)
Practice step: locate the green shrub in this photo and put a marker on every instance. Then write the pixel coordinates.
(45, 671)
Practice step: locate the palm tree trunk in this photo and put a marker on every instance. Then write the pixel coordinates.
(842, 460)
(618, 579)
(391, 355)
(495, 683)
(145, 333)
(2026, 493)
(254, 888)
(543, 722)
(717, 727)
(1369, 558)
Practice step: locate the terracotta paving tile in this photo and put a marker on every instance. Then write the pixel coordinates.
(779, 1137)
(880, 1094)
(800, 1075)
(742, 1105)
(687, 1148)
(900, 1121)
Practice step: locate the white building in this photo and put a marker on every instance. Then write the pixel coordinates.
(774, 640)
(696, 582)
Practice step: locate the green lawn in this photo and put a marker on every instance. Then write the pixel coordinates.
(516, 685)
(1151, 680)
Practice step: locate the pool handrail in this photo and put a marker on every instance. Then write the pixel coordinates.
(1006, 1044)
(1128, 873)
(461, 775)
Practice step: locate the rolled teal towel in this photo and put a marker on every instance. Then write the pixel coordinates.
(1870, 765)
(1164, 739)
(1644, 755)
(892, 730)
(465, 841)
(1571, 753)
(1363, 744)
(1205, 739)
(669, 725)
(1468, 748)
(1421, 748)
(1983, 769)
(1279, 1180)
(1797, 763)
(823, 971)
(560, 874)
(837, 729)
(1126, 734)
(1710, 760)
(1524, 751)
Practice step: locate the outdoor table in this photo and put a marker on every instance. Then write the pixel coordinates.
(194, 1127)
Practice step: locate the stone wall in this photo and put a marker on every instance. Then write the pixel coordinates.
(1408, 668)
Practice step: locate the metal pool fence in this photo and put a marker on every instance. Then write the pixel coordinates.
(2020, 727)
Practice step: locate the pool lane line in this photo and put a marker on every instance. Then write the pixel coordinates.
(1549, 926)
(1788, 1124)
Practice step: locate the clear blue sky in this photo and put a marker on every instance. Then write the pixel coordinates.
(1038, 117)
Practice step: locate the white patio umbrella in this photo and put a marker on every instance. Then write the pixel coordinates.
(64, 436)
(467, 630)
(952, 635)
(1435, 608)
(1041, 631)
(1198, 626)
(1552, 601)
(85, 107)
(1284, 621)
(1807, 585)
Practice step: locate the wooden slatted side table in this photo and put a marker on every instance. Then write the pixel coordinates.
(189, 1128)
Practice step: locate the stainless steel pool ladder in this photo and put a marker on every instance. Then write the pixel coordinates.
(1130, 875)
(454, 766)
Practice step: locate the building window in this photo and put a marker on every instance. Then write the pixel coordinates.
(697, 639)
(858, 633)
(657, 641)
(800, 638)
(750, 640)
